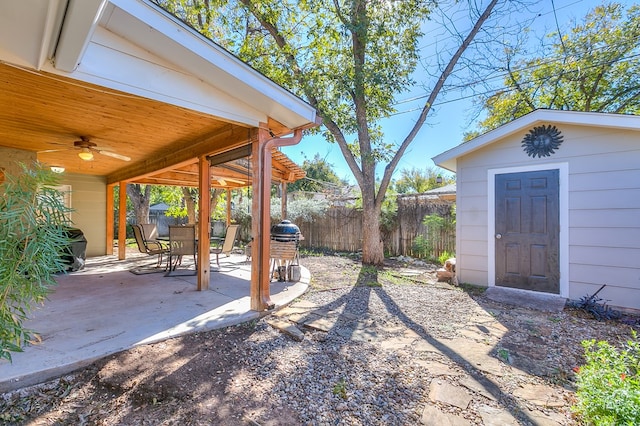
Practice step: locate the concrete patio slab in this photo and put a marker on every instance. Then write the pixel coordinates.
(105, 309)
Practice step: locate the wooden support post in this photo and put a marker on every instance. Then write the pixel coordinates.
(283, 201)
(260, 225)
(260, 214)
(228, 207)
(204, 224)
(122, 222)
(110, 216)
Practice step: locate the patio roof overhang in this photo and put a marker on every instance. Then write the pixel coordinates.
(46, 113)
(139, 83)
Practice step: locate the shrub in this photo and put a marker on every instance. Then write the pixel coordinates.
(445, 256)
(32, 239)
(609, 384)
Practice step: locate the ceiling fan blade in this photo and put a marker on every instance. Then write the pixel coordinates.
(51, 150)
(113, 155)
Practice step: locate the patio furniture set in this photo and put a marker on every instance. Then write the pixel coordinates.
(182, 242)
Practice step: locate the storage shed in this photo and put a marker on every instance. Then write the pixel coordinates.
(550, 203)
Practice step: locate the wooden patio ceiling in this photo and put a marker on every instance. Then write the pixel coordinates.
(45, 113)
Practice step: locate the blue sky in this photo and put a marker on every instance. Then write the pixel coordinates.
(452, 114)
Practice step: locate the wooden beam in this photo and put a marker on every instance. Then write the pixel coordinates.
(228, 207)
(110, 216)
(122, 222)
(229, 137)
(261, 217)
(261, 262)
(283, 202)
(204, 225)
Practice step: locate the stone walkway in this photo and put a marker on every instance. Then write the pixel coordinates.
(452, 385)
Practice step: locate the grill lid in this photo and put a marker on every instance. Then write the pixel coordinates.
(285, 229)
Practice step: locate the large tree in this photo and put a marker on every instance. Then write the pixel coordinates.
(140, 197)
(348, 59)
(320, 176)
(595, 67)
(416, 180)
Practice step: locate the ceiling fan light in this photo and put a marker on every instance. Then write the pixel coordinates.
(85, 154)
(57, 169)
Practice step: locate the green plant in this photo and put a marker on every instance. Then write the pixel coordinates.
(32, 242)
(608, 385)
(340, 389)
(596, 306)
(424, 246)
(445, 256)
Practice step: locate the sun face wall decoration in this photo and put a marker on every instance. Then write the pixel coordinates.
(542, 141)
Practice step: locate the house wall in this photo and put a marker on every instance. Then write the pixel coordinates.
(10, 159)
(602, 207)
(89, 204)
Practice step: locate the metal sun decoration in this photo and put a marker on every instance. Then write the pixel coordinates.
(542, 141)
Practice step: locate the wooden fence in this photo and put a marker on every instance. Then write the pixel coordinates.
(340, 228)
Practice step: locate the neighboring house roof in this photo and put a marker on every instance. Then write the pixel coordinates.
(136, 81)
(160, 207)
(446, 189)
(444, 193)
(448, 158)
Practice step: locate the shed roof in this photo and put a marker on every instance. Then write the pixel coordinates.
(448, 158)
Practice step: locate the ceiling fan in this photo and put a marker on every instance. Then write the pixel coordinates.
(87, 148)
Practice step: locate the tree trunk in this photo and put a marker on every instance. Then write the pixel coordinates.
(372, 246)
(140, 201)
(190, 203)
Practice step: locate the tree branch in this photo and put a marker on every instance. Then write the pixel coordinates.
(390, 168)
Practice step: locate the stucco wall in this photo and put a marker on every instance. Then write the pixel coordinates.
(602, 209)
(9, 159)
(88, 201)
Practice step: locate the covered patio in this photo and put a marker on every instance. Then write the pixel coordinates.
(120, 91)
(104, 309)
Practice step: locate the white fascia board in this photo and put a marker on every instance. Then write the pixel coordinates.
(28, 29)
(155, 30)
(448, 158)
(110, 61)
(80, 21)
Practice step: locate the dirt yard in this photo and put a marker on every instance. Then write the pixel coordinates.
(252, 374)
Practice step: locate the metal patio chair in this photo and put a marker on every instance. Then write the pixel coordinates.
(225, 245)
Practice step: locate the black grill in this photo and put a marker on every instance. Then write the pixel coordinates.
(285, 231)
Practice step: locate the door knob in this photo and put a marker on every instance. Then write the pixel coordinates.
(498, 236)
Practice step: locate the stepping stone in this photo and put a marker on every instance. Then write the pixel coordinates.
(432, 416)
(364, 335)
(321, 323)
(545, 419)
(286, 327)
(396, 343)
(437, 368)
(496, 417)
(449, 394)
(478, 386)
(304, 304)
(540, 395)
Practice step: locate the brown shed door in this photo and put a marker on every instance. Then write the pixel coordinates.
(527, 231)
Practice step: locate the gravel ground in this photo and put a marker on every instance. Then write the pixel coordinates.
(371, 367)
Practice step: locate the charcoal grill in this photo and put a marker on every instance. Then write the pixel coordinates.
(285, 237)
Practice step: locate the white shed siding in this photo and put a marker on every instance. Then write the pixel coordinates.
(603, 209)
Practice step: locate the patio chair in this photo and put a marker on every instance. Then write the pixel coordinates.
(225, 245)
(149, 247)
(182, 242)
(149, 231)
